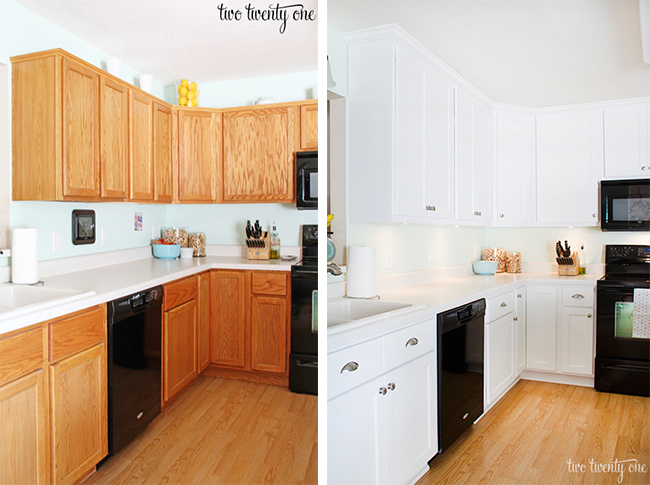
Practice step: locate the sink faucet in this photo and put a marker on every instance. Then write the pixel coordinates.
(332, 268)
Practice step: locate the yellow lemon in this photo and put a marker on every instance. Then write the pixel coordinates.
(191, 94)
(182, 101)
(179, 88)
(182, 90)
(192, 86)
(195, 102)
(184, 83)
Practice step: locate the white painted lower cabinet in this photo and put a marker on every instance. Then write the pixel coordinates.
(500, 350)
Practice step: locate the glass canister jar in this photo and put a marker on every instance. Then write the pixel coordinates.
(513, 263)
(176, 235)
(197, 242)
(495, 254)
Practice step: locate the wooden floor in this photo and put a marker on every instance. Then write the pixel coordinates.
(528, 437)
(222, 431)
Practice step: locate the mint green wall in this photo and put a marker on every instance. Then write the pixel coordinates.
(22, 31)
(337, 51)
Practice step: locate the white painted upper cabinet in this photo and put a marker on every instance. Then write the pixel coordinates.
(626, 141)
(473, 159)
(515, 177)
(569, 167)
(400, 127)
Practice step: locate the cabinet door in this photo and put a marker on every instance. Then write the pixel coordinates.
(198, 135)
(541, 323)
(356, 436)
(626, 141)
(258, 155)
(24, 440)
(577, 340)
(114, 139)
(162, 153)
(424, 154)
(78, 414)
(309, 127)
(515, 138)
(141, 150)
(228, 318)
(473, 159)
(520, 329)
(411, 418)
(569, 166)
(204, 321)
(80, 131)
(180, 359)
(500, 356)
(269, 334)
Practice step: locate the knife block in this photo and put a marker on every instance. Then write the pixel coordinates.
(572, 269)
(259, 252)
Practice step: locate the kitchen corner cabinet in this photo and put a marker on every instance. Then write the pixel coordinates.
(162, 153)
(141, 170)
(520, 329)
(199, 155)
(114, 139)
(258, 154)
(541, 336)
(627, 141)
(569, 155)
(203, 333)
(309, 126)
(500, 344)
(180, 328)
(473, 159)
(24, 433)
(249, 329)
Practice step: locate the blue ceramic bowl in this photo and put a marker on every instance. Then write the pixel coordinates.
(484, 267)
(166, 251)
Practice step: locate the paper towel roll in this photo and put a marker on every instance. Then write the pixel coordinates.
(24, 255)
(362, 268)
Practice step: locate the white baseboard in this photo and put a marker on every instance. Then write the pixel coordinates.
(553, 378)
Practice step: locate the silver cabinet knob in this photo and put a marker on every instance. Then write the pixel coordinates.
(594, 215)
(350, 367)
(503, 304)
(391, 386)
(501, 216)
(588, 315)
(643, 167)
(516, 319)
(519, 295)
(430, 207)
(411, 342)
(477, 213)
(382, 391)
(578, 296)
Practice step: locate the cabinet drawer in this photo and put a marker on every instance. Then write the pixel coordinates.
(180, 292)
(409, 343)
(350, 367)
(21, 354)
(77, 332)
(500, 305)
(580, 296)
(270, 283)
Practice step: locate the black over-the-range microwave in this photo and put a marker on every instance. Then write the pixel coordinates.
(625, 205)
(307, 181)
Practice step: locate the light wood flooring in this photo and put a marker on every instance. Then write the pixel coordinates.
(222, 431)
(528, 437)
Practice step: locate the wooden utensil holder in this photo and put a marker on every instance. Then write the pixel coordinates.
(261, 252)
(572, 269)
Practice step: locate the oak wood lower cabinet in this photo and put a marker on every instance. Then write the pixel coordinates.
(249, 328)
(204, 321)
(180, 325)
(78, 394)
(24, 434)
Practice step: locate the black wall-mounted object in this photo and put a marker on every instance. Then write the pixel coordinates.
(83, 227)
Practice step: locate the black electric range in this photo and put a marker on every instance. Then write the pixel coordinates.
(303, 359)
(622, 359)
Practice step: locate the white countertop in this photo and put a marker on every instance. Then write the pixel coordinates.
(429, 299)
(115, 281)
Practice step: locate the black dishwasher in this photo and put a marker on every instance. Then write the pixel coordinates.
(134, 366)
(460, 370)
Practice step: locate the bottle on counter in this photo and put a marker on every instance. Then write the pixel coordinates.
(275, 243)
(582, 260)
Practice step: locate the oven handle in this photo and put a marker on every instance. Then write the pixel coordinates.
(631, 367)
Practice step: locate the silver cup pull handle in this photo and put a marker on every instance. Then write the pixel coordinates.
(411, 342)
(578, 296)
(350, 367)
(503, 304)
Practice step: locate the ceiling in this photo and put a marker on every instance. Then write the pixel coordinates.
(174, 40)
(531, 53)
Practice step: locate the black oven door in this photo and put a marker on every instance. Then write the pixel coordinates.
(625, 205)
(307, 181)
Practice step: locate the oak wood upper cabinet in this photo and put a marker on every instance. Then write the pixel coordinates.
(78, 394)
(141, 171)
(180, 325)
(258, 154)
(228, 318)
(114, 139)
(162, 153)
(198, 155)
(309, 127)
(24, 437)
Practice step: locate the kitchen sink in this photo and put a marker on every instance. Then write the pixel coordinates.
(340, 311)
(16, 298)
